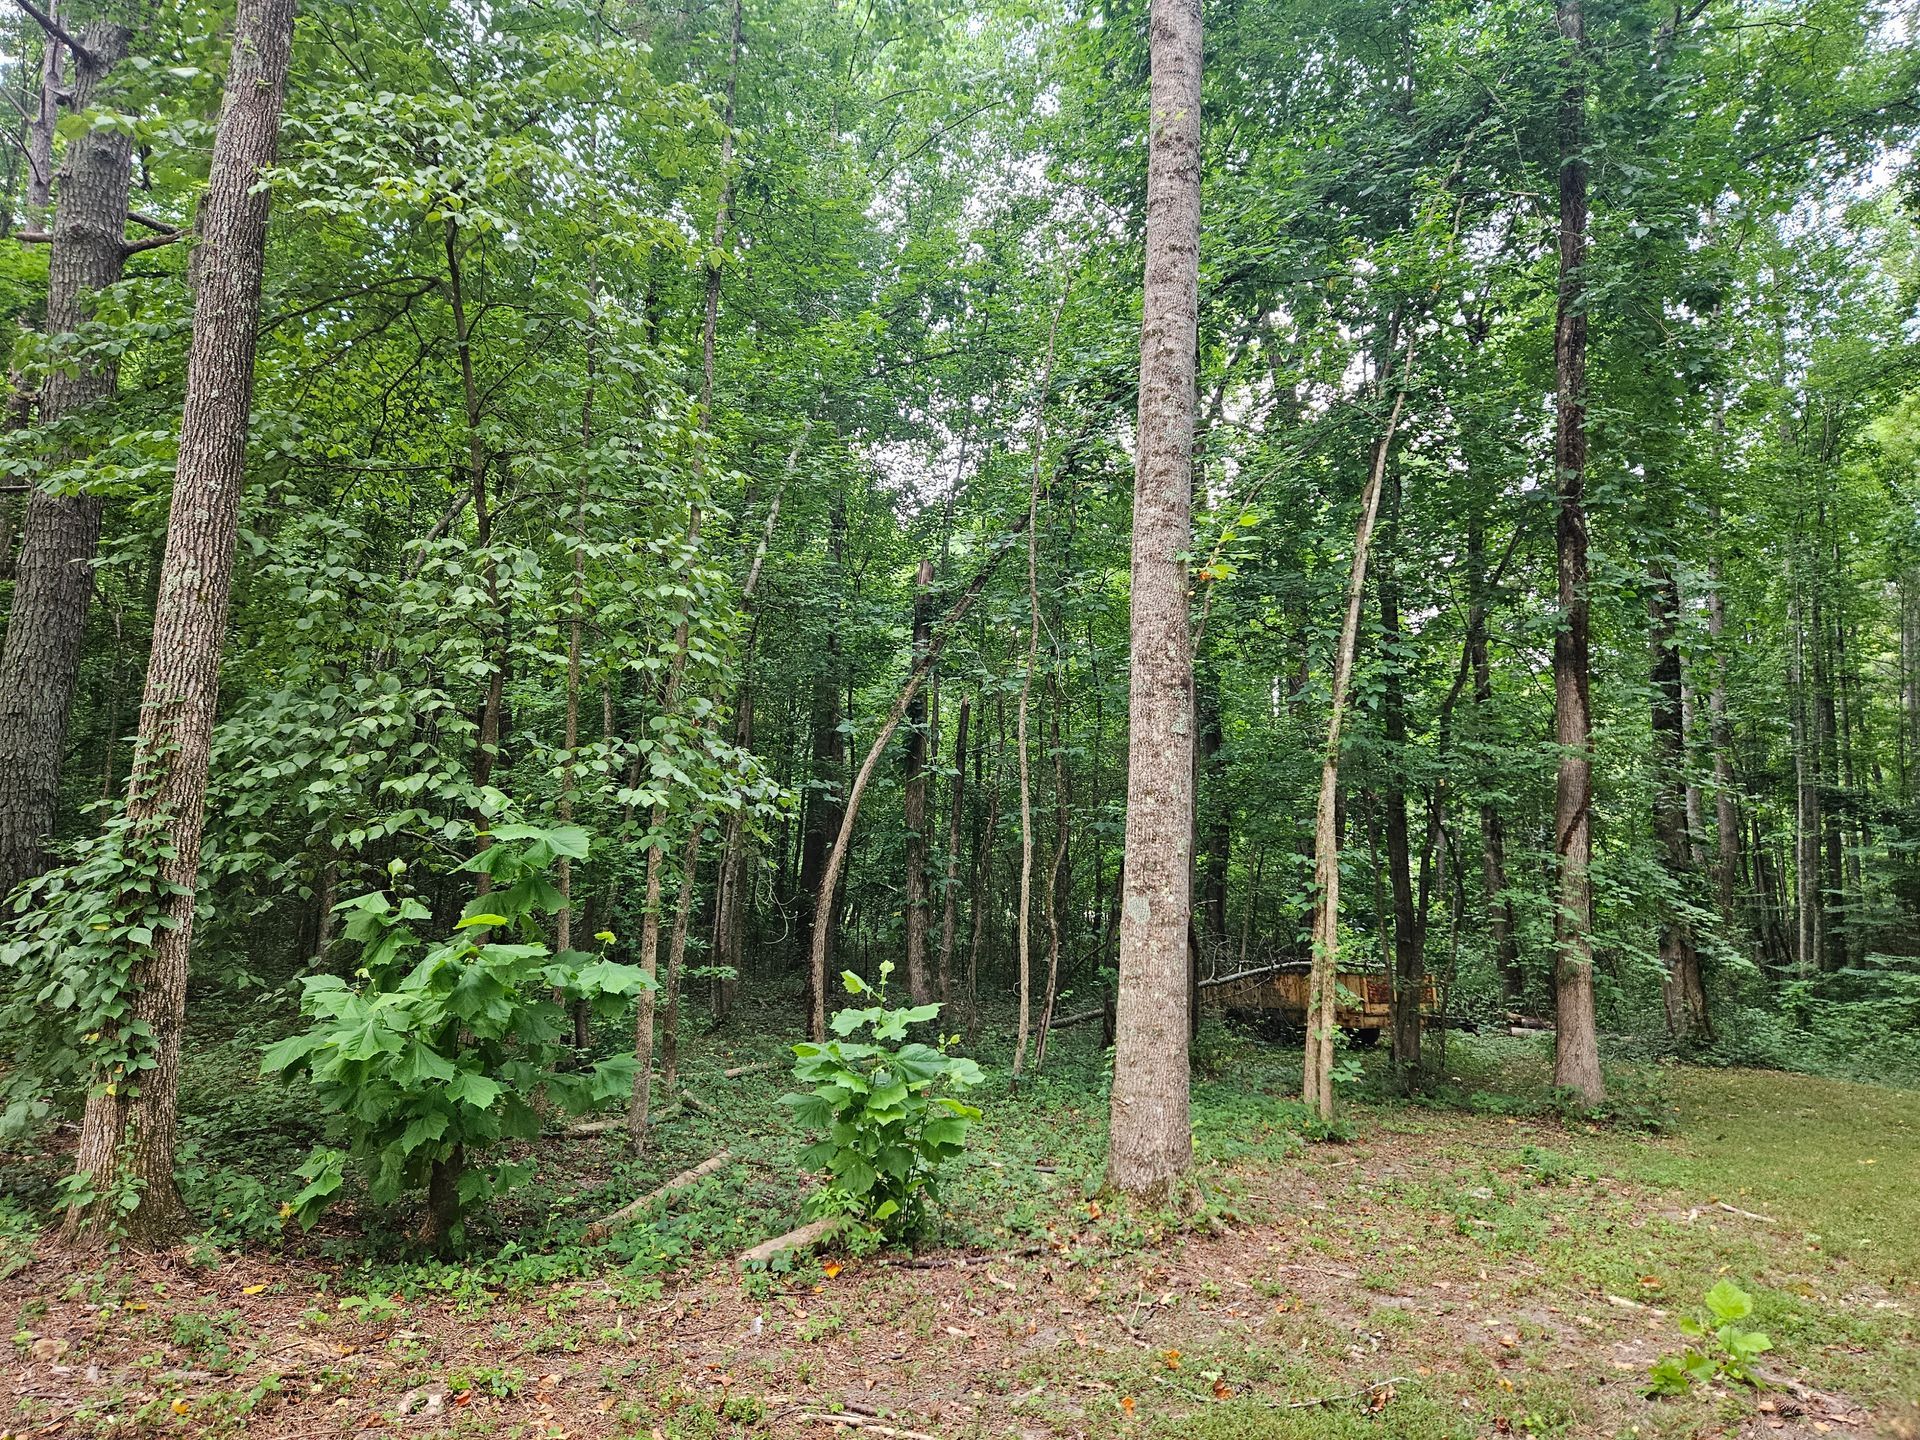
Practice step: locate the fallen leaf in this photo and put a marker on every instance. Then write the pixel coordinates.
(1126, 1403)
(831, 1269)
(254, 1290)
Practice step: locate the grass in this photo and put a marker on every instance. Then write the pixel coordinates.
(1476, 1264)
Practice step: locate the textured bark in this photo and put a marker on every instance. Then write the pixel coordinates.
(1576, 1064)
(128, 1135)
(53, 576)
(45, 119)
(914, 788)
(1150, 1138)
(1215, 840)
(1683, 987)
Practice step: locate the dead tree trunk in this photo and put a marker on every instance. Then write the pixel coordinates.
(127, 1135)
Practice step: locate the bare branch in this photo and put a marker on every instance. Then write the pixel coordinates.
(59, 32)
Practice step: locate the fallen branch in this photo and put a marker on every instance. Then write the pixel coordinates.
(694, 1102)
(861, 1422)
(1744, 1214)
(813, 1233)
(737, 1071)
(627, 1214)
(1374, 1388)
(1079, 1017)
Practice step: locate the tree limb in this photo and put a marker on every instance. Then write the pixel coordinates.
(59, 32)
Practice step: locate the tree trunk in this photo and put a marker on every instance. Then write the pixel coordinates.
(1216, 839)
(950, 900)
(1577, 1043)
(127, 1135)
(915, 789)
(1407, 962)
(1150, 1140)
(1683, 988)
(1806, 790)
(676, 963)
(1726, 813)
(1316, 1079)
(53, 576)
(1503, 926)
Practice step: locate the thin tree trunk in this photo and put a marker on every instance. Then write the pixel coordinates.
(1316, 1084)
(128, 1132)
(1503, 927)
(950, 900)
(1576, 1043)
(1806, 827)
(1408, 963)
(676, 963)
(1057, 868)
(53, 576)
(1726, 813)
(914, 788)
(1683, 988)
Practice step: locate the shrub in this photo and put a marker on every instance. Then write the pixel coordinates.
(435, 1057)
(888, 1128)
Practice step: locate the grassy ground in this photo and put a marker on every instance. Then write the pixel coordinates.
(1467, 1268)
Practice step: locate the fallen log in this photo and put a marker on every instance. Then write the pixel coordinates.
(1061, 1022)
(737, 1071)
(627, 1214)
(814, 1233)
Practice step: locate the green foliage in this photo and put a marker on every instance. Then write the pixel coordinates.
(440, 1052)
(69, 960)
(1724, 1349)
(891, 1116)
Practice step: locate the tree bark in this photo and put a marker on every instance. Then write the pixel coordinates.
(1407, 961)
(1150, 1139)
(127, 1135)
(1577, 1042)
(53, 576)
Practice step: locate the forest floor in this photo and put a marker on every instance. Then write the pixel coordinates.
(1452, 1271)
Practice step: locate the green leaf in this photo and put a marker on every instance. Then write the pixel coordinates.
(1728, 1302)
(474, 1089)
(481, 919)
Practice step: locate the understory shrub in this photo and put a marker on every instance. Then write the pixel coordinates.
(440, 1052)
(891, 1116)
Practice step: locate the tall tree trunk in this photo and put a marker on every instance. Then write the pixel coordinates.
(1806, 790)
(1216, 838)
(950, 899)
(1316, 1079)
(826, 796)
(53, 576)
(1577, 1042)
(1408, 964)
(127, 1135)
(1503, 927)
(1150, 1140)
(1055, 898)
(1726, 813)
(1683, 987)
(914, 752)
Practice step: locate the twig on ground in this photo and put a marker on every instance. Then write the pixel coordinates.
(1744, 1214)
(861, 1422)
(1372, 1389)
(627, 1214)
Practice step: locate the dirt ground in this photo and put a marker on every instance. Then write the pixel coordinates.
(1445, 1275)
